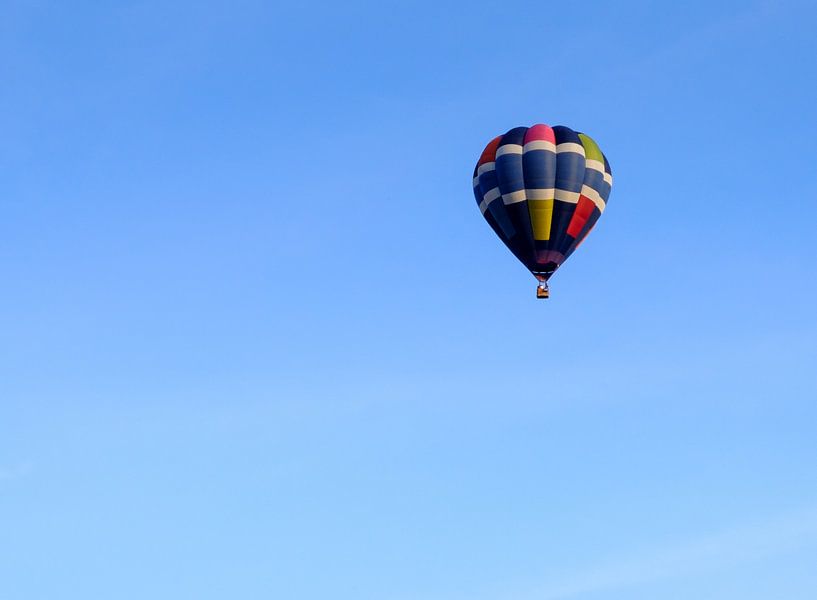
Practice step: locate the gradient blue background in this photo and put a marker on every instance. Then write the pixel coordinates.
(257, 342)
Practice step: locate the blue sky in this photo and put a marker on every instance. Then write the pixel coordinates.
(257, 342)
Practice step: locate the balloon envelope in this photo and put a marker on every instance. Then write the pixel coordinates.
(542, 189)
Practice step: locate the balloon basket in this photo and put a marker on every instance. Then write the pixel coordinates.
(542, 291)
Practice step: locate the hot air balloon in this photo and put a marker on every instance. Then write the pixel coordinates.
(542, 189)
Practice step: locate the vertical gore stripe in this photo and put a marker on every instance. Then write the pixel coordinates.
(541, 217)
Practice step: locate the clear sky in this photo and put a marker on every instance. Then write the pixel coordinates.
(256, 341)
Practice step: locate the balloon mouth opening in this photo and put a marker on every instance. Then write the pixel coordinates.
(544, 272)
(546, 263)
